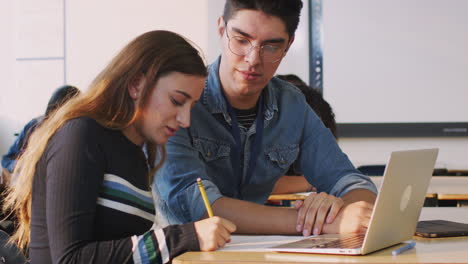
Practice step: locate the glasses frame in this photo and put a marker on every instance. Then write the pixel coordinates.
(252, 47)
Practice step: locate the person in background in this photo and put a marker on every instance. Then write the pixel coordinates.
(247, 130)
(293, 181)
(60, 96)
(85, 183)
(315, 100)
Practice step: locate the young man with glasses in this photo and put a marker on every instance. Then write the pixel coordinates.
(248, 128)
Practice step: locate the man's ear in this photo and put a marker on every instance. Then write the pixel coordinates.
(221, 26)
(136, 86)
(289, 44)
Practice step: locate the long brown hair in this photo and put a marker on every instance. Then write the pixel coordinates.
(152, 55)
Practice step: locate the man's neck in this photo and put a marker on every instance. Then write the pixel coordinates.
(241, 102)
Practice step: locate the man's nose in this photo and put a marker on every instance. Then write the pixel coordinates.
(254, 56)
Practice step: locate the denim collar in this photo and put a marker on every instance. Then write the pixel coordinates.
(214, 100)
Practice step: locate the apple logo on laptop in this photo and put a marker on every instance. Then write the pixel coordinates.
(405, 197)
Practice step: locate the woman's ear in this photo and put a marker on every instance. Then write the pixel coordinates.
(136, 86)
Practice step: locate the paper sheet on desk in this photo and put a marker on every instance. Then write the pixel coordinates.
(256, 243)
(304, 193)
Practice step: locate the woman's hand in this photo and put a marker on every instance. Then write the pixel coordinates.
(214, 232)
(316, 210)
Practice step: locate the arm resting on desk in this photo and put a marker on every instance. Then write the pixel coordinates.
(251, 218)
(355, 216)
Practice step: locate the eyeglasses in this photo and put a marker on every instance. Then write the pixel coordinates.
(241, 46)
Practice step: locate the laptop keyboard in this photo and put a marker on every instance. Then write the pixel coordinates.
(353, 241)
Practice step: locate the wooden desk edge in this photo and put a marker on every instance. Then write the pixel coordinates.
(286, 197)
(293, 197)
(441, 196)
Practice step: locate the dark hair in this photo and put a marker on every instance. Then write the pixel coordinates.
(321, 107)
(61, 96)
(287, 10)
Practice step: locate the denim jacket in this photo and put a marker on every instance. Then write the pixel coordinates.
(16, 149)
(292, 134)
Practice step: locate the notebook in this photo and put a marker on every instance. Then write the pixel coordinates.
(441, 228)
(396, 211)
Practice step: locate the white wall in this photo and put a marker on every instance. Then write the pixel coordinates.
(397, 61)
(49, 42)
(7, 64)
(30, 30)
(453, 152)
(97, 30)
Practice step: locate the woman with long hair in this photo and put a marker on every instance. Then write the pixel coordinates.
(83, 189)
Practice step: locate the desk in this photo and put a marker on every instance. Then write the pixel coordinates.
(450, 188)
(440, 188)
(428, 250)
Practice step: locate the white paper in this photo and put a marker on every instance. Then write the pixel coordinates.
(257, 243)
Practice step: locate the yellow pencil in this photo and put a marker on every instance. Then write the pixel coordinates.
(205, 198)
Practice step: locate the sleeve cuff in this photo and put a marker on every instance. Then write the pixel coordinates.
(181, 238)
(352, 182)
(197, 208)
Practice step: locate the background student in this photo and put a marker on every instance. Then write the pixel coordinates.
(91, 201)
(247, 130)
(60, 96)
(294, 181)
(315, 100)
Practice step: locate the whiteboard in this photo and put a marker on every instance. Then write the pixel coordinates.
(396, 61)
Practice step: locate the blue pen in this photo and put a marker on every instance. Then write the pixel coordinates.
(403, 248)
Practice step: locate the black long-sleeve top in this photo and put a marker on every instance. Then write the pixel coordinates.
(91, 202)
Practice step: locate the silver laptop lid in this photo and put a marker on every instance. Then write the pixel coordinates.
(400, 199)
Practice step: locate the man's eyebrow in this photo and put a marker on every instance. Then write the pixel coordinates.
(272, 40)
(184, 93)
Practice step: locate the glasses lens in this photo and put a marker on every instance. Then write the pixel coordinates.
(242, 46)
(271, 53)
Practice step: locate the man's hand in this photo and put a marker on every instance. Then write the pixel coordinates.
(315, 210)
(355, 215)
(352, 218)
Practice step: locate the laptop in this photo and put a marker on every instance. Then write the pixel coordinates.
(396, 211)
(441, 228)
